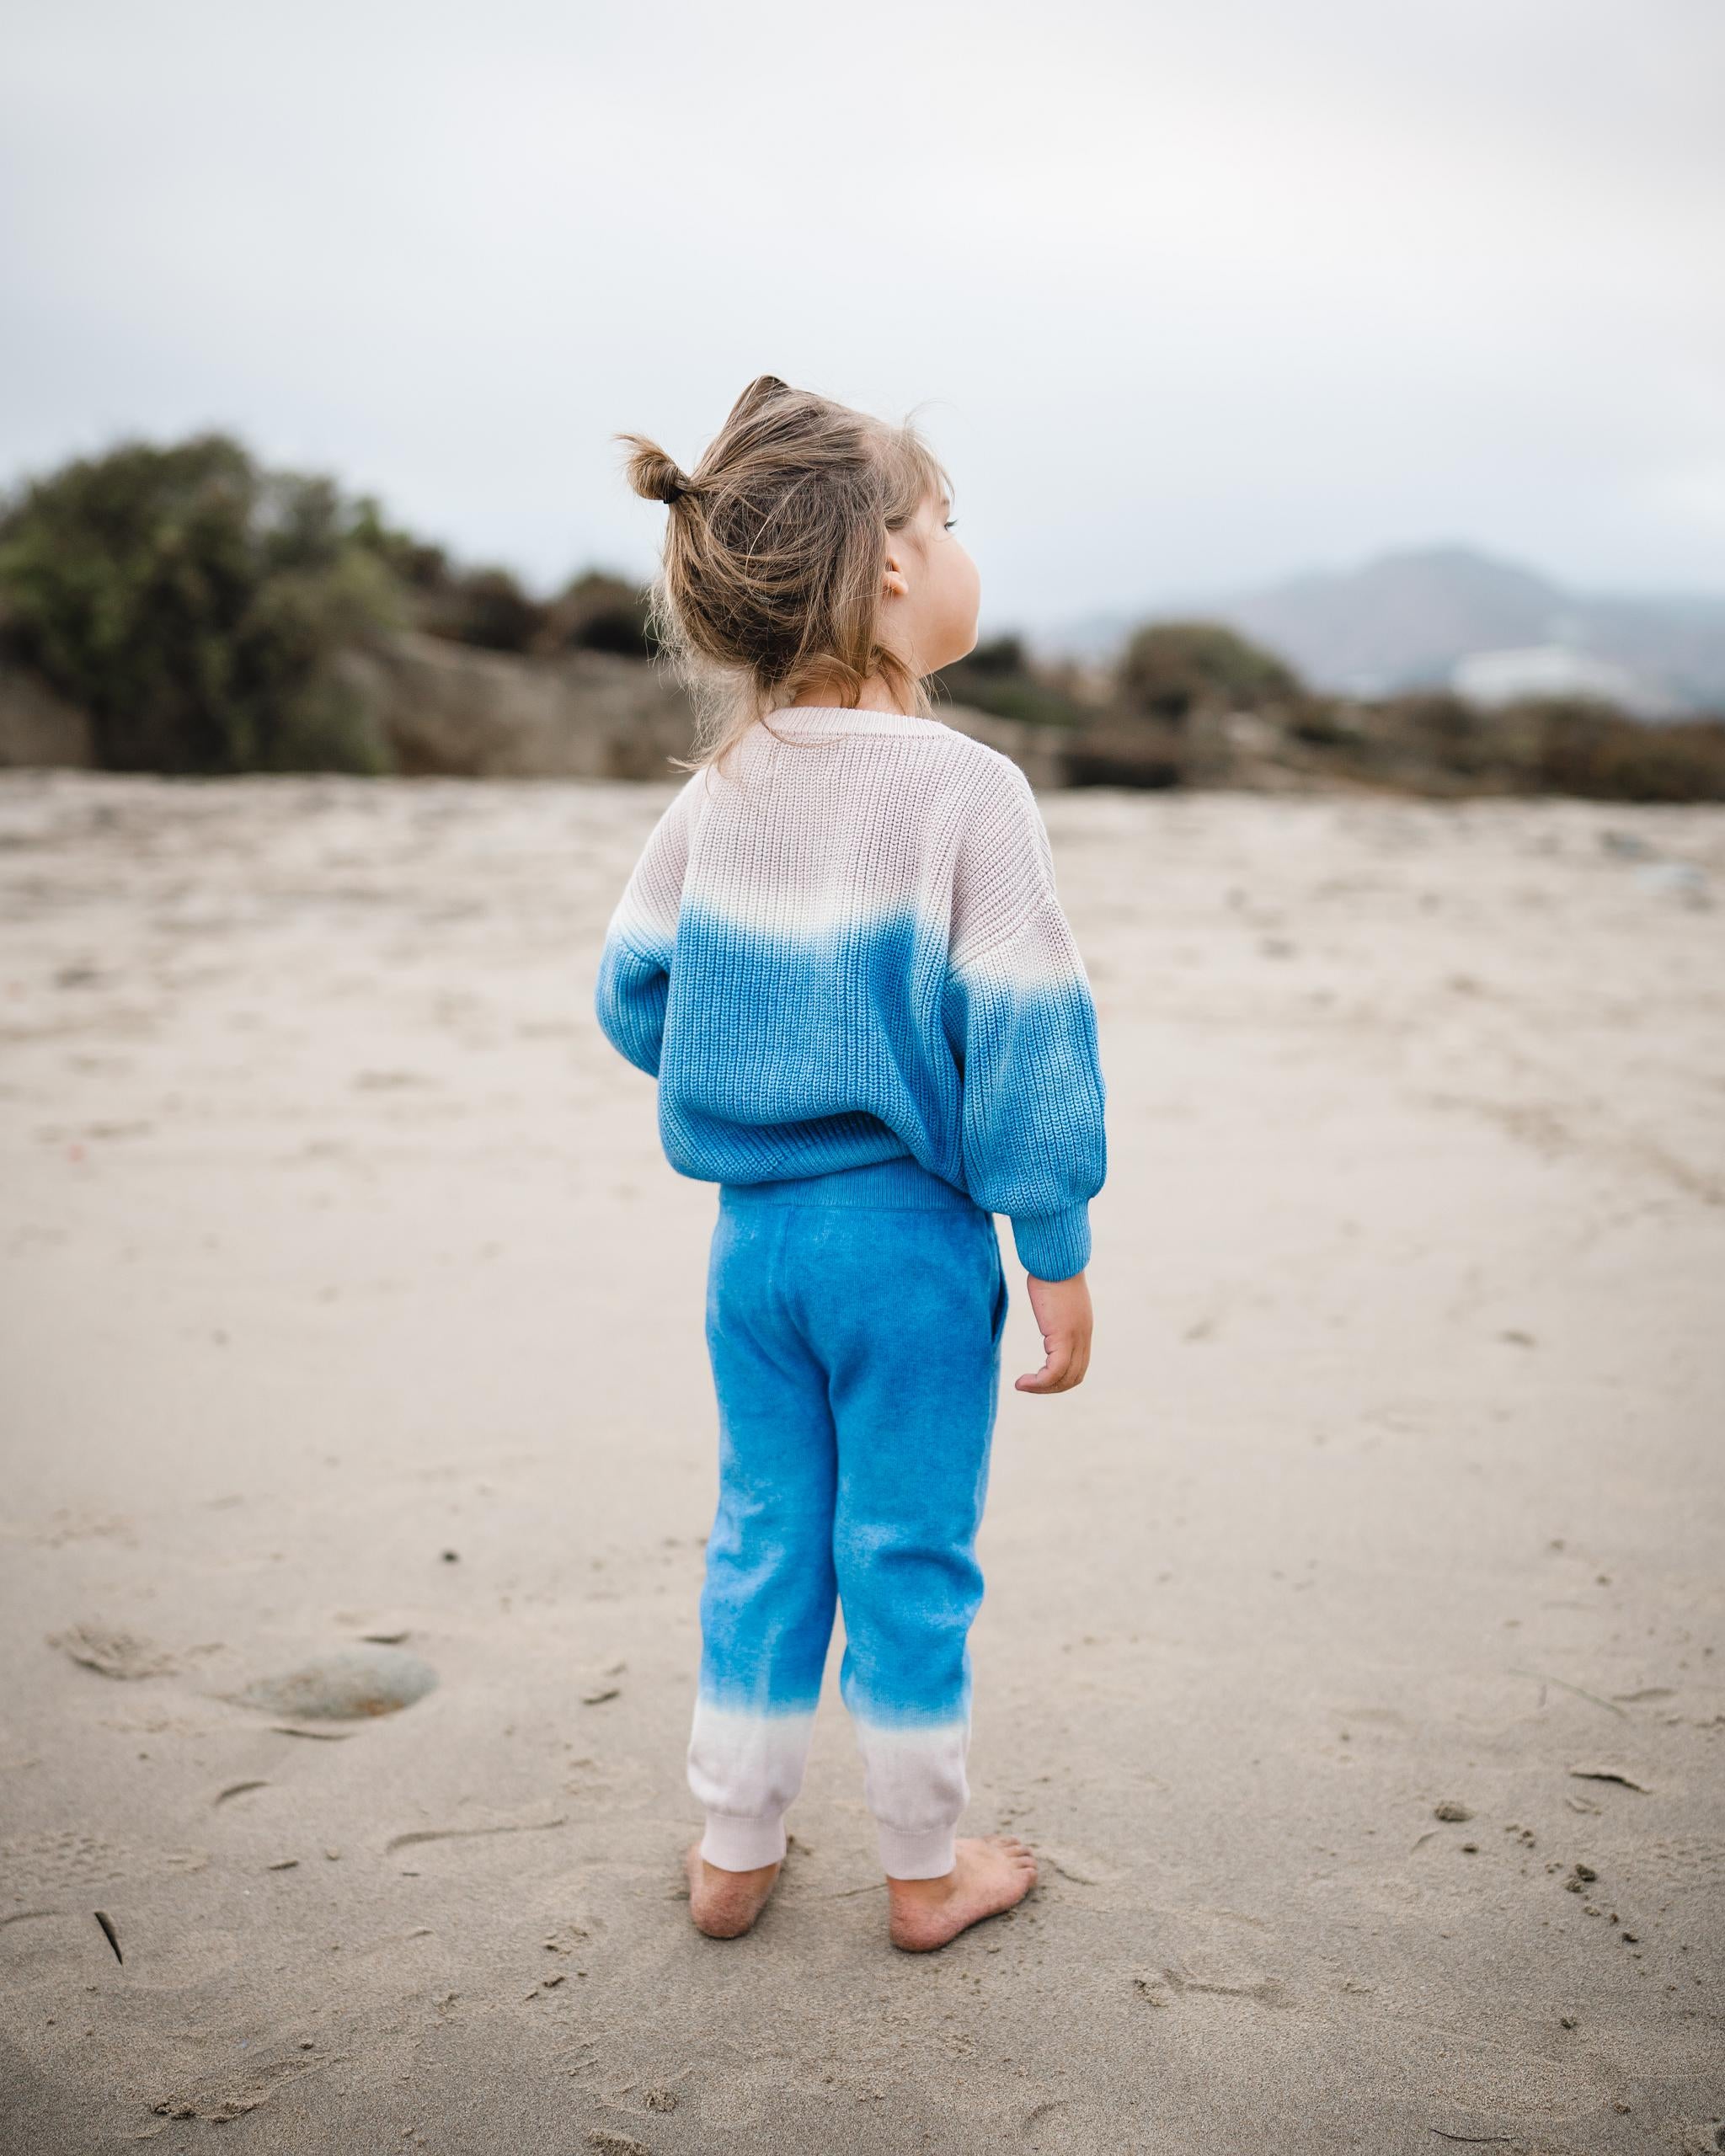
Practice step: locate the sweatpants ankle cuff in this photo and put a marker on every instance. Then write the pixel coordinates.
(929, 1853)
(737, 1845)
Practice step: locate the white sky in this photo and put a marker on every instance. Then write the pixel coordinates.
(1188, 297)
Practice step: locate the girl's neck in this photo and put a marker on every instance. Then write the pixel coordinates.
(875, 695)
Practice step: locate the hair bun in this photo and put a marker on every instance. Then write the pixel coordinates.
(653, 474)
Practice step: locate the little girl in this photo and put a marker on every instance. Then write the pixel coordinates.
(841, 956)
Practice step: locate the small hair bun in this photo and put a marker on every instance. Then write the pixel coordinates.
(652, 474)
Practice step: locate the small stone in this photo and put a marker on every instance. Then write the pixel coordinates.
(1566, 2021)
(1469, 1848)
(1586, 1871)
(1450, 1812)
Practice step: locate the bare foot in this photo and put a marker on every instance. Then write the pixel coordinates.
(725, 1904)
(990, 1875)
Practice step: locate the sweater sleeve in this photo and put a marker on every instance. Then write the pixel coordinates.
(634, 966)
(1020, 1020)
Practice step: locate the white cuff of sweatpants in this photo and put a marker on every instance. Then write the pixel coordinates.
(735, 1843)
(926, 1853)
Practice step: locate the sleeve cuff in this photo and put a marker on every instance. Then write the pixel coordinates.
(1054, 1246)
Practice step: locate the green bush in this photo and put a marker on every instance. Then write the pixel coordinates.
(482, 606)
(417, 564)
(598, 611)
(1001, 656)
(1590, 748)
(1323, 723)
(1000, 678)
(1429, 742)
(194, 605)
(1459, 736)
(1171, 669)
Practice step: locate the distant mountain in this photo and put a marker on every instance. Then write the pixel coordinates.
(1405, 620)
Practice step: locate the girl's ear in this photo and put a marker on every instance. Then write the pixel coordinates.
(895, 585)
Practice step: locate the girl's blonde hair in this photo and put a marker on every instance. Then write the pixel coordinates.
(774, 552)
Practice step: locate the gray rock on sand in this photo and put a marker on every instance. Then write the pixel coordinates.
(345, 1685)
(1674, 879)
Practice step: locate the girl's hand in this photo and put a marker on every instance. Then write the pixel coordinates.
(1062, 1309)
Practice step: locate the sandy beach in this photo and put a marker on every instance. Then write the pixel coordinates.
(1354, 1652)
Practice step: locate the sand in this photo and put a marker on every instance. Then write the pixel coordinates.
(1351, 1652)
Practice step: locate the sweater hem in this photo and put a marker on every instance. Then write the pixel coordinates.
(900, 1185)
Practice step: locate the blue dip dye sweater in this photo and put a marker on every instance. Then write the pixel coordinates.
(846, 948)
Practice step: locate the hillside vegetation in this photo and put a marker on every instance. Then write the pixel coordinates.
(208, 615)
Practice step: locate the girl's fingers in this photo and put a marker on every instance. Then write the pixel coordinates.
(1065, 1359)
(1057, 1362)
(1062, 1309)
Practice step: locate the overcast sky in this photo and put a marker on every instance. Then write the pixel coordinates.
(1187, 296)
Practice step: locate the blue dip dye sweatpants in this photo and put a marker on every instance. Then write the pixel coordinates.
(854, 1322)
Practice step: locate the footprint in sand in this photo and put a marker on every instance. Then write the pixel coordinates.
(1261, 1990)
(61, 1859)
(110, 1653)
(347, 1685)
(1072, 1864)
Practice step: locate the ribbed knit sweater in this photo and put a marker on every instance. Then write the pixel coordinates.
(847, 949)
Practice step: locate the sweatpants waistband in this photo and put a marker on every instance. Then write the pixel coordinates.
(897, 1185)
